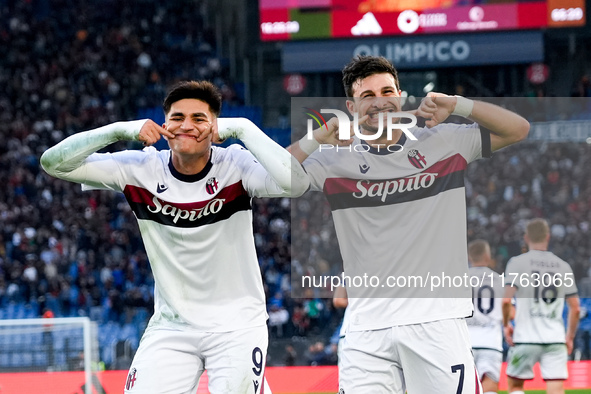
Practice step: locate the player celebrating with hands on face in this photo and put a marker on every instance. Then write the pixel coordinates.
(404, 213)
(193, 206)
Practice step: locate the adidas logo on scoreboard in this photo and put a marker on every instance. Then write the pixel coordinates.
(368, 25)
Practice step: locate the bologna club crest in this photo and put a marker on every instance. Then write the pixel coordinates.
(212, 185)
(131, 378)
(417, 159)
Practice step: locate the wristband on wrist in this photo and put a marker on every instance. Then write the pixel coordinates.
(308, 146)
(463, 107)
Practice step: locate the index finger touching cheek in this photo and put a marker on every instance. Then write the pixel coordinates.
(164, 131)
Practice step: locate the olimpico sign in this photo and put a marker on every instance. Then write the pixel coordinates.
(415, 52)
(432, 51)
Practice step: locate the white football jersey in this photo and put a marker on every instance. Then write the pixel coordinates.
(539, 306)
(402, 215)
(486, 325)
(197, 231)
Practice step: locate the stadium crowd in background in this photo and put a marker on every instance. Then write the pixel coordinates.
(535, 180)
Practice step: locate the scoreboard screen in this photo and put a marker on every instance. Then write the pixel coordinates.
(286, 20)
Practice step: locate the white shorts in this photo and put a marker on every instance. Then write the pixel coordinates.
(552, 358)
(488, 362)
(421, 358)
(172, 361)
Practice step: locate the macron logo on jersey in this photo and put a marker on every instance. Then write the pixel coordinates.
(161, 188)
(367, 25)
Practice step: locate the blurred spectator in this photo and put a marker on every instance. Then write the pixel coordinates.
(278, 317)
(583, 88)
(290, 356)
(300, 320)
(317, 354)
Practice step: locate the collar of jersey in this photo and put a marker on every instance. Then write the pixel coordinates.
(383, 151)
(190, 178)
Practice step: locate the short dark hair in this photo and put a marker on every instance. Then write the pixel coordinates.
(364, 66)
(200, 90)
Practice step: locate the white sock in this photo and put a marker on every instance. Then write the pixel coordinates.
(516, 392)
